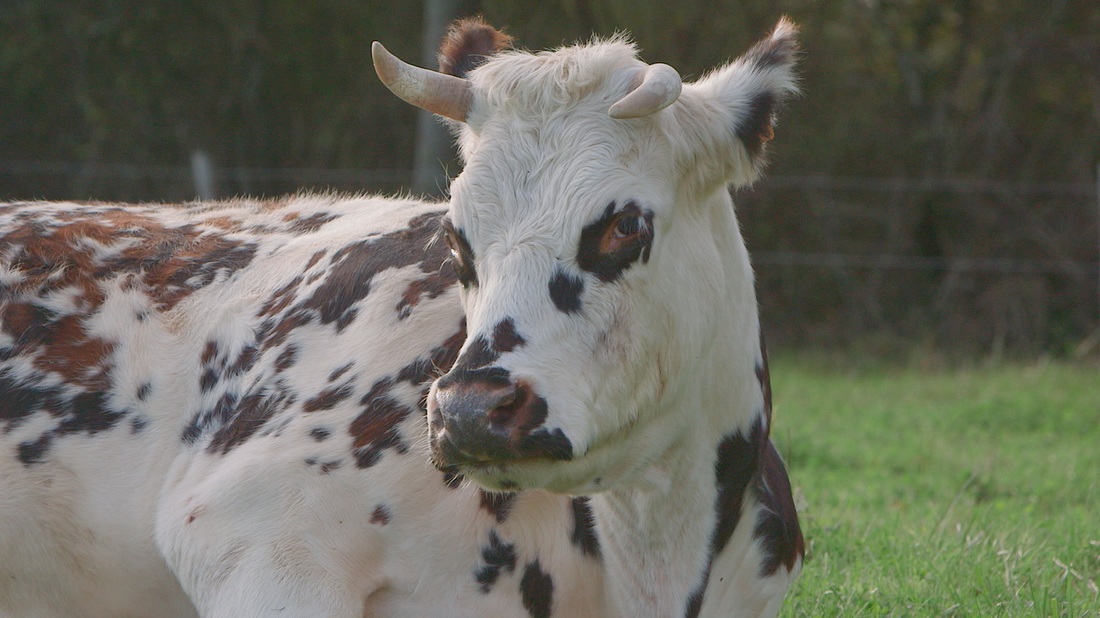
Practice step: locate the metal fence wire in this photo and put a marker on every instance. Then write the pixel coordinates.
(840, 230)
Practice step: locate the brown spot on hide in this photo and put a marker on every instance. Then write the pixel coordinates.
(25, 322)
(248, 416)
(375, 429)
(380, 515)
(442, 357)
(313, 259)
(286, 358)
(354, 267)
(429, 287)
(84, 247)
(226, 224)
(339, 371)
(305, 225)
(328, 398)
(209, 353)
(246, 359)
(281, 299)
(76, 357)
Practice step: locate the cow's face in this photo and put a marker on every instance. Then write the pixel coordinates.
(596, 264)
(564, 277)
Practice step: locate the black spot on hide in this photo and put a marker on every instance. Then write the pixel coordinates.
(609, 265)
(584, 528)
(565, 291)
(498, 504)
(498, 557)
(138, 424)
(537, 589)
(505, 337)
(777, 528)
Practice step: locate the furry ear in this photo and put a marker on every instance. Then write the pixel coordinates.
(468, 43)
(738, 105)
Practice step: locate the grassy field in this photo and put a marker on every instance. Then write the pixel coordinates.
(972, 492)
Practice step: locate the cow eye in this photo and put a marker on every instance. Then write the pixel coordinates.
(452, 244)
(462, 257)
(614, 241)
(624, 231)
(628, 225)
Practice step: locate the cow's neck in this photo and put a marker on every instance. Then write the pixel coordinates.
(655, 537)
(656, 533)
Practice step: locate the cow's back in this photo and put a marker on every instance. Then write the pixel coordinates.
(142, 346)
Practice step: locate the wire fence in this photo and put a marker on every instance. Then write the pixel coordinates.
(314, 176)
(914, 262)
(201, 175)
(835, 256)
(127, 171)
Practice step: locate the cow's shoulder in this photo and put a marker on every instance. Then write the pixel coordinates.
(352, 320)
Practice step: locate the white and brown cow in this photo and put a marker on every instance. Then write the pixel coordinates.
(233, 409)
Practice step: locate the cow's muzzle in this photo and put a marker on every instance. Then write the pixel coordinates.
(483, 416)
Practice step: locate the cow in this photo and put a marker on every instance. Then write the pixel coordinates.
(548, 396)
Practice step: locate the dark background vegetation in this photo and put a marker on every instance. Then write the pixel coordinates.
(934, 189)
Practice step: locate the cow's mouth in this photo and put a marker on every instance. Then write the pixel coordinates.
(487, 450)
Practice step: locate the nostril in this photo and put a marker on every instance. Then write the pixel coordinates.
(476, 401)
(503, 407)
(478, 421)
(507, 397)
(504, 412)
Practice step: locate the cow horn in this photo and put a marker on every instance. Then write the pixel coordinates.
(659, 86)
(438, 93)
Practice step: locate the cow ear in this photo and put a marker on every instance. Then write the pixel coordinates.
(468, 43)
(738, 105)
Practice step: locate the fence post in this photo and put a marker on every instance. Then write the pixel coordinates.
(433, 142)
(202, 172)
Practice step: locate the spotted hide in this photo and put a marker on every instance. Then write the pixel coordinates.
(546, 397)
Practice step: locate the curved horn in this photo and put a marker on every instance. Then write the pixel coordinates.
(438, 93)
(659, 87)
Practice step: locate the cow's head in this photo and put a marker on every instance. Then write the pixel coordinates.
(592, 232)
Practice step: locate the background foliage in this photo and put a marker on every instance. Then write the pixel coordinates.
(1002, 94)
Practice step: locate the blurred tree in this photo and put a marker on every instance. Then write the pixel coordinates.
(1004, 91)
(255, 83)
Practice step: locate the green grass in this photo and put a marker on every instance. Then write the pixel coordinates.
(962, 492)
